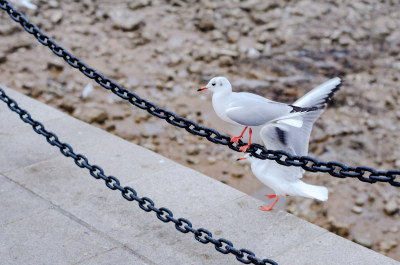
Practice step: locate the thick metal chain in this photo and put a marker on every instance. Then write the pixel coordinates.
(146, 204)
(336, 169)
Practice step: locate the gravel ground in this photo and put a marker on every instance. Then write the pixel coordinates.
(166, 50)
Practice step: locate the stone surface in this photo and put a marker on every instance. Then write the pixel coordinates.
(115, 157)
(49, 238)
(118, 256)
(13, 206)
(56, 213)
(67, 129)
(330, 249)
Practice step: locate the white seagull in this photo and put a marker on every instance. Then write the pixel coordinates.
(286, 134)
(251, 110)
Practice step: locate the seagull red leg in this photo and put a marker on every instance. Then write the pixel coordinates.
(245, 147)
(235, 139)
(269, 208)
(271, 196)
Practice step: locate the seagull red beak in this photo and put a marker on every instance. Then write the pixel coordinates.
(242, 158)
(201, 89)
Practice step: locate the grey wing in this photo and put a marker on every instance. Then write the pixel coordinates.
(298, 138)
(320, 95)
(280, 135)
(253, 110)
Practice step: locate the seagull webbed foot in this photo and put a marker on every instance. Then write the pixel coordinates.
(269, 208)
(244, 148)
(266, 208)
(235, 139)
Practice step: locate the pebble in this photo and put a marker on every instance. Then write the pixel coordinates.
(169, 85)
(192, 150)
(391, 207)
(206, 22)
(191, 160)
(174, 59)
(126, 19)
(361, 199)
(56, 17)
(216, 35)
(91, 115)
(339, 228)
(150, 146)
(362, 240)
(87, 90)
(3, 57)
(211, 159)
(56, 64)
(233, 36)
(259, 18)
(388, 245)
(384, 25)
(237, 175)
(345, 40)
(225, 61)
(357, 209)
(302, 209)
(54, 4)
(253, 53)
(265, 37)
(195, 68)
(227, 52)
(396, 163)
(138, 4)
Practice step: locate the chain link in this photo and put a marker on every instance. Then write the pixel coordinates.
(146, 204)
(335, 169)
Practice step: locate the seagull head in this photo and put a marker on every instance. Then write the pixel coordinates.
(218, 84)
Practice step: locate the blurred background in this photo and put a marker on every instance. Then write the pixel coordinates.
(165, 50)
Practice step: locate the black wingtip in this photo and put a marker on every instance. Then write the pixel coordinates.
(333, 91)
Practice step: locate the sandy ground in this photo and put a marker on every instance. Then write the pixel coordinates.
(165, 50)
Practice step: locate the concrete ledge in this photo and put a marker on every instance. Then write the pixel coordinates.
(53, 212)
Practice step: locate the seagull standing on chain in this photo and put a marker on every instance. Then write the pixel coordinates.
(251, 110)
(285, 134)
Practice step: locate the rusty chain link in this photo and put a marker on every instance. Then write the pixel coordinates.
(335, 169)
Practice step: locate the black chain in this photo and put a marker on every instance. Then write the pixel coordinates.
(146, 204)
(335, 169)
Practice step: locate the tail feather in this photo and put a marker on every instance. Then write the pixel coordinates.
(311, 191)
(319, 96)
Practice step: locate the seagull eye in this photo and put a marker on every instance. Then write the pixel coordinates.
(213, 84)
